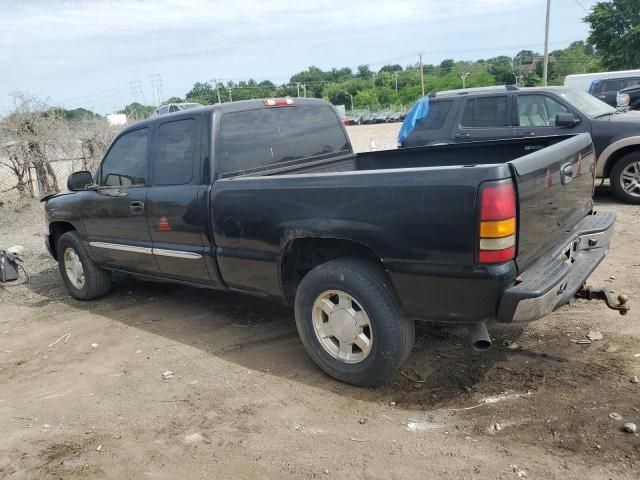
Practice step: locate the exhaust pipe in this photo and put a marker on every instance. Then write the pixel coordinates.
(480, 339)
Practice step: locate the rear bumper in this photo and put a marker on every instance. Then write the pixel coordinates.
(555, 278)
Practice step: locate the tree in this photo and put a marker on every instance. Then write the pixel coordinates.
(364, 72)
(173, 100)
(366, 99)
(136, 110)
(615, 33)
(202, 92)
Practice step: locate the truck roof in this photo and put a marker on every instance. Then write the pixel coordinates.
(228, 107)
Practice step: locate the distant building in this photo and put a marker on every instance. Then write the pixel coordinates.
(117, 119)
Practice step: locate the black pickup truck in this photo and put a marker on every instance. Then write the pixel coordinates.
(267, 198)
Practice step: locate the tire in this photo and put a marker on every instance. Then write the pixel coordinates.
(96, 282)
(627, 165)
(372, 299)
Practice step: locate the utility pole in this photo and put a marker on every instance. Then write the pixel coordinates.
(156, 87)
(230, 97)
(351, 97)
(396, 81)
(464, 77)
(421, 74)
(215, 83)
(298, 85)
(304, 89)
(545, 70)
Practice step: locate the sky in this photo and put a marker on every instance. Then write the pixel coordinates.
(87, 53)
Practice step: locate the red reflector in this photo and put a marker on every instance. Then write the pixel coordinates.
(497, 256)
(278, 102)
(497, 201)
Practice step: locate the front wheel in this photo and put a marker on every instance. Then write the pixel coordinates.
(84, 280)
(625, 178)
(351, 323)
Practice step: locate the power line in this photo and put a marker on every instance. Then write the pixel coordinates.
(581, 6)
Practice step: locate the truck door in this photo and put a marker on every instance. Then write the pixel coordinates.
(114, 215)
(178, 202)
(484, 118)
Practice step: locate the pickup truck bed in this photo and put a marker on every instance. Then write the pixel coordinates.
(415, 210)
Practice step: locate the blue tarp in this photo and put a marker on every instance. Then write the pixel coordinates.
(419, 110)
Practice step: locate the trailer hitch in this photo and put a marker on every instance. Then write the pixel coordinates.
(590, 293)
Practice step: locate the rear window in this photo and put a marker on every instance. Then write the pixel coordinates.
(258, 138)
(484, 112)
(435, 118)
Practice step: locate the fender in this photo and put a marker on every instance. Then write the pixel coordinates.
(611, 149)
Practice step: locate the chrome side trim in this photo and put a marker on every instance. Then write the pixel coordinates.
(121, 247)
(176, 253)
(156, 251)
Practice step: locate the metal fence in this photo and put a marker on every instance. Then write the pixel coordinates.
(26, 182)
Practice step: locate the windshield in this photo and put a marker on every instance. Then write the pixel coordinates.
(586, 103)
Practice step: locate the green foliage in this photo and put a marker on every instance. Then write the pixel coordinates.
(75, 115)
(615, 33)
(137, 110)
(173, 100)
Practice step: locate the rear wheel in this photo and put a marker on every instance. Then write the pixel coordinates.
(84, 280)
(625, 178)
(350, 322)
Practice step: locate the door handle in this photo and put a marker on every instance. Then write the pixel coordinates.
(462, 135)
(136, 207)
(566, 173)
(526, 134)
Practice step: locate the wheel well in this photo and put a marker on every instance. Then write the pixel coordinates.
(618, 154)
(303, 254)
(56, 230)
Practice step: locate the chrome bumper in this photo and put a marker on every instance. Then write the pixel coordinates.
(554, 279)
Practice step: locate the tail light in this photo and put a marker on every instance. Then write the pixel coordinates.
(497, 222)
(277, 102)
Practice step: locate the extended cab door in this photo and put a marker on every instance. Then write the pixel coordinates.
(114, 215)
(177, 201)
(484, 117)
(535, 116)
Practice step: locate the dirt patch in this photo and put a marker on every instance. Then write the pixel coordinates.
(245, 400)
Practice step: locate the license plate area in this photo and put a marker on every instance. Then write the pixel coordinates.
(569, 252)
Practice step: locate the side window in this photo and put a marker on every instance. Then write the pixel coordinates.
(631, 82)
(126, 162)
(173, 108)
(613, 85)
(174, 152)
(538, 111)
(485, 112)
(436, 116)
(164, 109)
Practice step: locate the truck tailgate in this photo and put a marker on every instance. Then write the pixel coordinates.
(555, 189)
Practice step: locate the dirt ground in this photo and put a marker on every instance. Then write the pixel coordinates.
(82, 393)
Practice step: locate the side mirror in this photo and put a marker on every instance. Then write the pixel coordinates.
(566, 120)
(79, 181)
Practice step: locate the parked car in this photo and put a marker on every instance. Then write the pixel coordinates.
(397, 117)
(369, 119)
(352, 120)
(607, 90)
(497, 112)
(587, 81)
(174, 107)
(268, 198)
(381, 117)
(629, 98)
